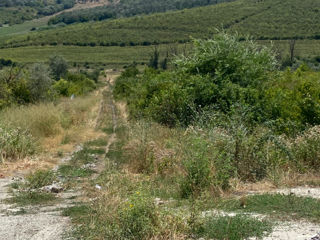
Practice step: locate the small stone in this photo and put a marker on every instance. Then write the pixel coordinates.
(158, 201)
(89, 166)
(53, 188)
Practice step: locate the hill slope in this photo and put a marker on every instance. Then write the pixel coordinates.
(268, 19)
(18, 11)
(127, 8)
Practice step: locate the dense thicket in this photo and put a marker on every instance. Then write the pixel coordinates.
(223, 75)
(127, 8)
(18, 11)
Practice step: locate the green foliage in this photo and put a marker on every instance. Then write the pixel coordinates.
(40, 82)
(230, 61)
(268, 19)
(138, 217)
(32, 198)
(292, 100)
(197, 168)
(71, 171)
(219, 72)
(40, 178)
(277, 204)
(77, 84)
(6, 63)
(127, 8)
(62, 87)
(58, 66)
(18, 11)
(239, 227)
(154, 59)
(15, 143)
(223, 74)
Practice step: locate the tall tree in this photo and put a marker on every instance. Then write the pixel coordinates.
(58, 66)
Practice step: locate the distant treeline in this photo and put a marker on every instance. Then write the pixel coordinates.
(127, 8)
(18, 11)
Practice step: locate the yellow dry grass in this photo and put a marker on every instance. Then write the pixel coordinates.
(58, 128)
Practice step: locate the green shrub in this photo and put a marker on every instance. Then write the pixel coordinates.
(40, 179)
(306, 150)
(219, 72)
(32, 198)
(197, 167)
(76, 84)
(227, 59)
(15, 143)
(292, 100)
(238, 227)
(62, 87)
(138, 217)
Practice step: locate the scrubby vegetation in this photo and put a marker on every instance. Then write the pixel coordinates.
(248, 118)
(31, 106)
(198, 130)
(39, 82)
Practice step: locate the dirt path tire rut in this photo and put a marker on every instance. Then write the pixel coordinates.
(46, 222)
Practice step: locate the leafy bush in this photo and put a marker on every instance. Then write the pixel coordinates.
(76, 84)
(234, 228)
(197, 167)
(40, 82)
(58, 66)
(306, 149)
(40, 178)
(228, 60)
(138, 217)
(219, 72)
(292, 100)
(15, 143)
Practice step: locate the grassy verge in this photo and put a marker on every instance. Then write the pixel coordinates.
(27, 130)
(140, 194)
(30, 193)
(32, 198)
(234, 228)
(277, 205)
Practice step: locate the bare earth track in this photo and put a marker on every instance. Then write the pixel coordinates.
(45, 222)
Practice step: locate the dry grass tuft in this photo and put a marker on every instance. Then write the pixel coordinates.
(56, 127)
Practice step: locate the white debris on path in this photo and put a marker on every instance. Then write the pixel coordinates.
(301, 191)
(40, 226)
(294, 231)
(15, 224)
(284, 230)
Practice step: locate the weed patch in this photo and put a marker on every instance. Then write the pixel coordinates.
(280, 205)
(76, 212)
(234, 228)
(40, 179)
(70, 171)
(31, 198)
(101, 142)
(15, 143)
